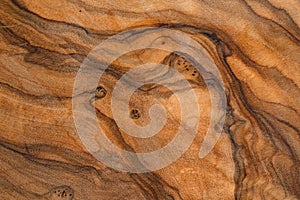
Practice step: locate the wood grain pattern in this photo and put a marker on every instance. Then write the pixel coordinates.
(255, 45)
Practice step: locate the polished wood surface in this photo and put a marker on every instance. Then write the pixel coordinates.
(254, 44)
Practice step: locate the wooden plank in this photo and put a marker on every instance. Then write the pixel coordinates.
(254, 46)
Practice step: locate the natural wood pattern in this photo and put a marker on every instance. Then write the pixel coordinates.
(254, 43)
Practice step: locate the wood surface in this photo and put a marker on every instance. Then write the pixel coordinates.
(255, 45)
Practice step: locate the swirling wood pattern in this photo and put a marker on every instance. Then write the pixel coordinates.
(255, 45)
